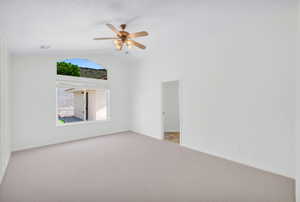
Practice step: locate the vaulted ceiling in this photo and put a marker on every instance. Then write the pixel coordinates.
(72, 24)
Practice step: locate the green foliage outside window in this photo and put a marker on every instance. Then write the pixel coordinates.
(64, 68)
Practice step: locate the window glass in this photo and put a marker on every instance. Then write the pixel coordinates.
(81, 92)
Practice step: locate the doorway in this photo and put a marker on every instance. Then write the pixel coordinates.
(170, 111)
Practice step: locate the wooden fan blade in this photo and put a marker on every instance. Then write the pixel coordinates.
(105, 38)
(137, 44)
(138, 34)
(115, 30)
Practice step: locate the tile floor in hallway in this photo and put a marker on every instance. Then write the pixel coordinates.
(172, 137)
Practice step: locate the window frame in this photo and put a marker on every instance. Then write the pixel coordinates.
(65, 81)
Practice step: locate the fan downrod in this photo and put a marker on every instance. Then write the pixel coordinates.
(123, 26)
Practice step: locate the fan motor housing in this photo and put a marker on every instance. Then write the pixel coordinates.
(123, 35)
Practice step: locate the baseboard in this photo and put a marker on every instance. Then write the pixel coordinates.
(67, 141)
(238, 162)
(158, 138)
(224, 157)
(5, 168)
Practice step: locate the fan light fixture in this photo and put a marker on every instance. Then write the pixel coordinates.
(124, 38)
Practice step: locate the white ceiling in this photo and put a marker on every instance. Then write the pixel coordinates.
(72, 24)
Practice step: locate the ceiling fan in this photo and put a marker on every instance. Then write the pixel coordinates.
(124, 38)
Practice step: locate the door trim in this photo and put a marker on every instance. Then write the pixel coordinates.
(179, 109)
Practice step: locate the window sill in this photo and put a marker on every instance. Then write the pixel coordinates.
(82, 123)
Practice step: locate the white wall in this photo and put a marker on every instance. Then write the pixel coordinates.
(235, 61)
(297, 133)
(101, 105)
(298, 143)
(5, 99)
(34, 103)
(171, 106)
(297, 122)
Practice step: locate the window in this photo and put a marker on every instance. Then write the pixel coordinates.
(82, 92)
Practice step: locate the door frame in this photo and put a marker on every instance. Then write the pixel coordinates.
(179, 108)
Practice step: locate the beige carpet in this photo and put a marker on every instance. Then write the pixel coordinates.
(129, 167)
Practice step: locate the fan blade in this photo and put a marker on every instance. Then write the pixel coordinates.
(137, 44)
(115, 30)
(138, 34)
(105, 38)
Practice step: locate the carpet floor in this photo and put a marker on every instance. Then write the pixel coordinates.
(129, 167)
